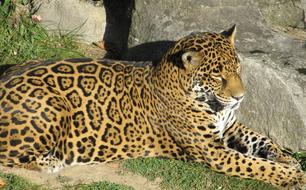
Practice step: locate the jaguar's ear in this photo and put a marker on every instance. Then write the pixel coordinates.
(230, 34)
(190, 58)
(184, 60)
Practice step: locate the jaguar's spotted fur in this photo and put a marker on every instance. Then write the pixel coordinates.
(81, 111)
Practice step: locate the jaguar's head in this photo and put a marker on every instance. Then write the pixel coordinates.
(209, 68)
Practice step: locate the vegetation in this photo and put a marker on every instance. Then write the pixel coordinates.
(104, 186)
(17, 183)
(186, 176)
(22, 39)
(301, 157)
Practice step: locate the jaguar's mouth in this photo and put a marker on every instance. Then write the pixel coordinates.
(229, 105)
(201, 99)
(210, 99)
(235, 106)
(215, 103)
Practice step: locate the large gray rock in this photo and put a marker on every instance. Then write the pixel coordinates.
(90, 20)
(303, 6)
(81, 18)
(274, 64)
(274, 102)
(167, 20)
(286, 13)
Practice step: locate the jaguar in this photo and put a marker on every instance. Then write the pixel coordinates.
(56, 114)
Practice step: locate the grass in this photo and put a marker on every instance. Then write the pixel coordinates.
(17, 183)
(104, 186)
(301, 158)
(22, 39)
(186, 176)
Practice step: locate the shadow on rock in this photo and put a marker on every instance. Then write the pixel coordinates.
(118, 23)
(302, 70)
(151, 51)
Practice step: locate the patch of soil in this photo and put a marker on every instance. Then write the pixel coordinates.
(85, 174)
(92, 50)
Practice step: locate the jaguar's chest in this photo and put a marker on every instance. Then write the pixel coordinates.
(223, 120)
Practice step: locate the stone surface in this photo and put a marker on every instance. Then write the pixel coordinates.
(82, 18)
(167, 20)
(274, 64)
(303, 6)
(91, 20)
(272, 102)
(286, 13)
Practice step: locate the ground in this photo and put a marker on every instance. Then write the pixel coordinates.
(128, 175)
(74, 176)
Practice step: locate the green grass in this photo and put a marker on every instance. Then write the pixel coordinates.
(185, 176)
(17, 183)
(104, 186)
(301, 157)
(21, 39)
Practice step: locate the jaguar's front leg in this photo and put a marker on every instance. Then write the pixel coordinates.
(231, 162)
(246, 141)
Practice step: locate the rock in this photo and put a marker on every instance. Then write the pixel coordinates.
(170, 20)
(274, 63)
(90, 20)
(272, 102)
(303, 6)
(285, 13)
(81, 18)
